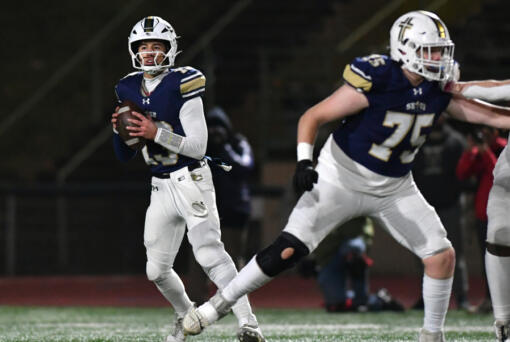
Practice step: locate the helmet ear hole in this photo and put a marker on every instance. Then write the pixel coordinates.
(134, 46)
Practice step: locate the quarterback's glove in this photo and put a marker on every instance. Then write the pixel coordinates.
(305, 176)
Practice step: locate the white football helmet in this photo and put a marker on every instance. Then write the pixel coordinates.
(413, 38)
(153, 28)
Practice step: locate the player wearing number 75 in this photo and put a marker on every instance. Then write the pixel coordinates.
(182, 188)
(387, 106)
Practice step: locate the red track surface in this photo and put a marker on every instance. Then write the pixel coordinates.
(283, 292)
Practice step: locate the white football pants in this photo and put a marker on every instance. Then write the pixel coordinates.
(346, 191)
(187, 199)
(498, 207)
(498, 233)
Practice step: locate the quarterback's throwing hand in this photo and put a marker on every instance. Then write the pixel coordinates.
(305, 176)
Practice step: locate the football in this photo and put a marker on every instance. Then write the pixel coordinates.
(126, 109)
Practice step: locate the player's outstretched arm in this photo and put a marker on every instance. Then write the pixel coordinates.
(479, 112)
(343, 102)
(487, 90)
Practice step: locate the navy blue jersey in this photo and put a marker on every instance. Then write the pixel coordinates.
(163, 105)
(386, 135)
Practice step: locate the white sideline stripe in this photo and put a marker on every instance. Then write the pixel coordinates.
(338, 327)
(271, 328)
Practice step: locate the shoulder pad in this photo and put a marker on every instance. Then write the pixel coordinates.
(123, 85)
(192, 81)
(365, 72)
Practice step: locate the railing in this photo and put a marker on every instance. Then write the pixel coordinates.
(80, 228)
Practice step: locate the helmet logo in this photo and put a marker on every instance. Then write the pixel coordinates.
(440, 29)
(404, 25)
(148, 25)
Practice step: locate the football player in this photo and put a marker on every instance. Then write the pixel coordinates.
(182, 189)
(497, 255)
(388, 106)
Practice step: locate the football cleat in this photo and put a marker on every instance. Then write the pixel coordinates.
(178, 334)
(502, 329)
(250, 333)
(193, 322)
(428, 336)
(196, 319)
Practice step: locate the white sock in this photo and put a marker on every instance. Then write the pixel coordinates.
(498, 276)
(221, 275)
(436, 298)
(172, 289)
(242, 310)
(248, 280)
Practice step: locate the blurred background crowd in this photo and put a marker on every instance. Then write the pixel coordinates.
(68, 207)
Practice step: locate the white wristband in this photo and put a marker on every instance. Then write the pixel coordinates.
(168, 139)
(304, 151)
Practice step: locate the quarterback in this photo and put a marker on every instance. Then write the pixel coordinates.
(182, 190)
(387, 106)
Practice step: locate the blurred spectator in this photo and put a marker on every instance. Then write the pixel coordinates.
(233, 196)
(434, 174)
(478, 161)
(341, 259)
(494, 140)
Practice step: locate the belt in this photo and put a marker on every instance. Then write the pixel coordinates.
(195, 165)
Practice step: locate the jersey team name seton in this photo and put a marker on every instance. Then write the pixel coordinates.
(386, 136)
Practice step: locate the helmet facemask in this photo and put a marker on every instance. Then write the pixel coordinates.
(429, 67)
(137, 58)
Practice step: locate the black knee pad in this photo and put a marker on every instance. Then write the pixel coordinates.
(270, 259)
(498, 250)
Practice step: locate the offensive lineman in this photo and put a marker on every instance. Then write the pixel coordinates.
(182, 189)
(388, 107)
(497, 256)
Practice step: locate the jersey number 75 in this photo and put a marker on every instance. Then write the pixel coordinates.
(404, 123)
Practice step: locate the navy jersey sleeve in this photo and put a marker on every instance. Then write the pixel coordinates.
(117, 94)
(122, 151)
(192, 83)
(367, 73)
(122, 89)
